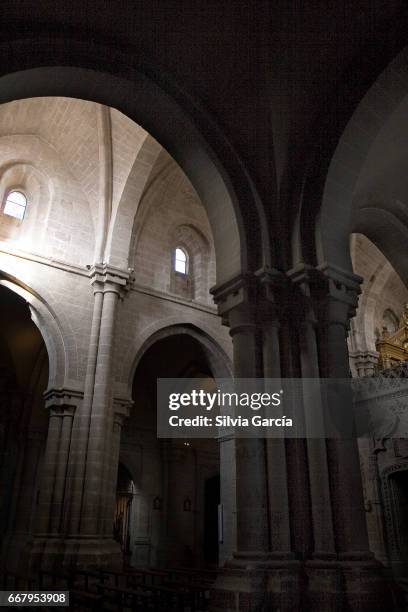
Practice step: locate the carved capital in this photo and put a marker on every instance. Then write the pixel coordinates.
(343, 291)
(108, 279)
(273, 292)
(311, 287)
(236, 300)
(307, 278)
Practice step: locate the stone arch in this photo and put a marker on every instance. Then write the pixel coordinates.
(220, 363)
(325, 221)
(49, 327)
(382, 289)
(388, 232)
(51, 66)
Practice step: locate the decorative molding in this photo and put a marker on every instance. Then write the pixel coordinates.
(238, 291)
(108, 279)
(58, 264)
(172, 297)
(63, 400)
(343, 289)
(273, 290)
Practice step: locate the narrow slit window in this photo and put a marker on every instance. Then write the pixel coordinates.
(15, 205)
(180, 261)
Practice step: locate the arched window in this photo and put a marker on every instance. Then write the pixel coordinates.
(15, 205)
(180, 261)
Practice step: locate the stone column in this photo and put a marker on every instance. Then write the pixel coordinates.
(89, 541)
(243, 581)
(272, 284)
(323, 578)
(78, 450)
(48, 542)
(252, 522)
(284, 568)
(364, 587)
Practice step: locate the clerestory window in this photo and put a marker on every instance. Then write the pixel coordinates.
(180, 261)
(15, 205)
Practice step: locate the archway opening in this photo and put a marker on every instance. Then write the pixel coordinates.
(23, 424)
(377, 349)
(175, 523)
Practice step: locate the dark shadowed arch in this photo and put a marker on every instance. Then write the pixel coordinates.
(219, 363)
(388, 233)
(49, 327)
(371, 90)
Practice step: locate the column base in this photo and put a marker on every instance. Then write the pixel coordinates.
(367, 588)
(356, 584)
(325, 589)
(84, 553)
(258, 583)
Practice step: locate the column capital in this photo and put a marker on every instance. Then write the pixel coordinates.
(307, 278)
(273, 288)
(311, 284)
(343, 290)
(63, 400)
(108, 279)
(238, 296)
